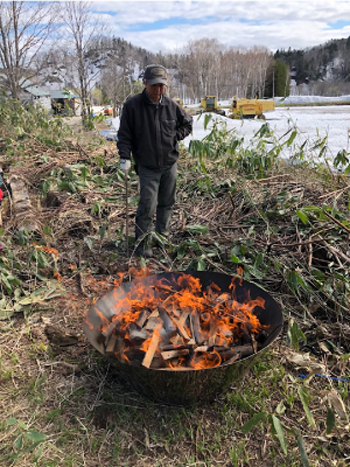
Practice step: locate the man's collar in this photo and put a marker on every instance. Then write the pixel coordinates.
(150, 100)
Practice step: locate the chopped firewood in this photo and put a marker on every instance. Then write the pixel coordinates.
(138, 336)
(169, 354)
(176, 340)
(153, 346)
(248, 327)
(181, 325)
(151, 323)
(111, 343)
(171, 310)
(167, 322)
(142, 318)
(212, 334)
(191, 342)
(202, 348)
(165, 337)
(115, 347)
(196, 328)
(154, 314)
(254, 343)
(174, 347)
(107, 330)
(163, 288)
(167, 333)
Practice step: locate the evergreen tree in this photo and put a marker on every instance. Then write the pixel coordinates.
(277, 80)
(281, 75)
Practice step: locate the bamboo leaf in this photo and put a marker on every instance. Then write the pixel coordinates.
(35, 436)
(11, 421)
(234, 258)
(330, 421)
(22, 425)
(291, 138)
(295, 334)
(305, 401)
(201, 229)
(201, 265)
(250, 424)
(18, 443)
(302, 216)
(38, 452)
(278, 427)
(303, 455)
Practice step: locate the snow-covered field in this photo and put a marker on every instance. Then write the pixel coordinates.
(312, 122)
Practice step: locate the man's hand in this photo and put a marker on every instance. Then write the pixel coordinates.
(125, 165)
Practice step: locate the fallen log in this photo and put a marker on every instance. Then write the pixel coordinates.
(24, 213)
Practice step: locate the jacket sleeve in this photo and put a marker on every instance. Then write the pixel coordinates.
(184, 125)
(124, 142)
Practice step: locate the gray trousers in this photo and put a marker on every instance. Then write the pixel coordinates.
(157, 196)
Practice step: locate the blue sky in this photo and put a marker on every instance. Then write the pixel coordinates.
(168, 25)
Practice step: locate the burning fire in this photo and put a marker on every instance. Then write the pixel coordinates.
(181, 326)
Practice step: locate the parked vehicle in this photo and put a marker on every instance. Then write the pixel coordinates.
(210, 104)
(250, 108)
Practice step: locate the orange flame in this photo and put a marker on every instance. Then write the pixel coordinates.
(192, 317)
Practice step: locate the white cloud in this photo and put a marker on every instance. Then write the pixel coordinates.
(275, 25)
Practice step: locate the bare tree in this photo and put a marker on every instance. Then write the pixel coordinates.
(117, 77)
(79, 20)
(200, 66)
(212, 69)
(24, 29)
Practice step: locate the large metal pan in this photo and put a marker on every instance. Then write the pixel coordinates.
(192, 385)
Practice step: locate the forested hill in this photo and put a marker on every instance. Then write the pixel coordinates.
(326, 67)
(325, 62)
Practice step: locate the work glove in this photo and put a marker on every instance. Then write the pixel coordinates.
(125, 165)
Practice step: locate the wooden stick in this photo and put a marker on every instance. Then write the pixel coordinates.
(142, 318)
(153, 346)
(168, 325)
(336, 221)
(335, 192)
(164, 288)
(196, 328)
(169, 354)
(111, 344)
(181, 325)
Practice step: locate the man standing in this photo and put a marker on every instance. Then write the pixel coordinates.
(150, 127)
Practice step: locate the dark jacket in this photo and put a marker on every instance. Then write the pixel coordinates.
(151, 131)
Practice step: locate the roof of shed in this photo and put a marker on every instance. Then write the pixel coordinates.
(63, 95)
(33, 89)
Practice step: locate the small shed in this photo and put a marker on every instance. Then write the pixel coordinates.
(32, 94)
(65, 103)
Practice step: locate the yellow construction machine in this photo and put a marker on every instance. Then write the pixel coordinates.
(210, 104)
(250, 108)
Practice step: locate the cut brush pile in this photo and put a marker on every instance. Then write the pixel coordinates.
(285, 224)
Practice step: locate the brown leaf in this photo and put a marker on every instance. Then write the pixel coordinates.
(337, 404)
